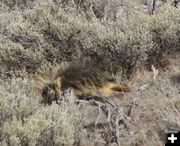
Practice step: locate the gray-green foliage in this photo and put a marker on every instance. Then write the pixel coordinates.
(36, 32)
(23, 121)
(49, 32)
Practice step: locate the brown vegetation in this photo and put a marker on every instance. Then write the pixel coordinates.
(129, 46)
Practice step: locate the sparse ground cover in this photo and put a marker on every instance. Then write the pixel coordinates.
(35, 35)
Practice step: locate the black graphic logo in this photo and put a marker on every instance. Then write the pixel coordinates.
(173, 139)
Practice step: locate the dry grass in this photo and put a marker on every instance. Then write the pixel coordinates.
(123, 38)
(48, 32)
(150, 110)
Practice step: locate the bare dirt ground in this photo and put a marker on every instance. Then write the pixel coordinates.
(152, 109)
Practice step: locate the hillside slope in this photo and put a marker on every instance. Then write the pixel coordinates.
(137, 48)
